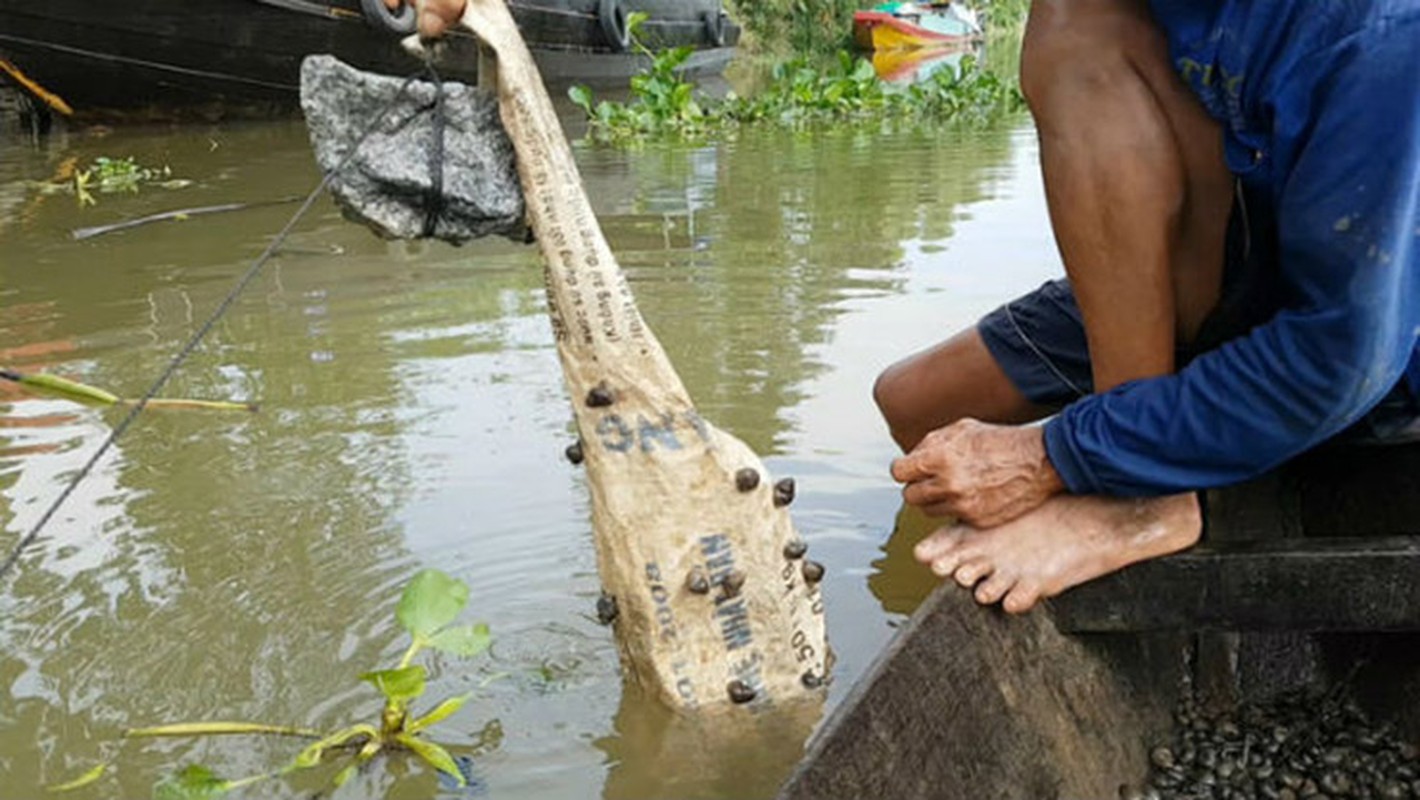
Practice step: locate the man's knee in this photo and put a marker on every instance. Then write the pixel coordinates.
(919, 394)
(1075, 49)
(890, 394)
(898, 395)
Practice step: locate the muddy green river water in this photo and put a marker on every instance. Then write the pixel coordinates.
(220, 566)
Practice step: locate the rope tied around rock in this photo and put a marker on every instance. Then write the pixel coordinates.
(434, 207)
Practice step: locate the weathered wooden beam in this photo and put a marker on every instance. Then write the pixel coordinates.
(967, 703)
(1311, 584)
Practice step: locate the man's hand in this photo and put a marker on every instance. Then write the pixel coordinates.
(985, 475)
(435, 16)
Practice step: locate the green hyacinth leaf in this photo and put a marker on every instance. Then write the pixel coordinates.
(63, 387)
(433, 755)
(582, 96)
(439, 713)
(466, 640)
(312, 754)
(430, 601)
(398, 685)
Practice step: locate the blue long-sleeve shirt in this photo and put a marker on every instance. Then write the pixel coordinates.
(1320, 105)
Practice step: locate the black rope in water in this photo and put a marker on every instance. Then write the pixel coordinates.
(247, 277)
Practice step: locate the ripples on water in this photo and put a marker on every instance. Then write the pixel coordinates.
(220, 566)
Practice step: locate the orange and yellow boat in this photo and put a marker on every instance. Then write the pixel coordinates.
(908, 26)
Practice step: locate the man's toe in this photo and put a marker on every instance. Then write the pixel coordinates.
(1021, 598)
(994, 588)
(972, 571)
(939, 544)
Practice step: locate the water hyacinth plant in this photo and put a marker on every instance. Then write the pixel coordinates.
(427, 610)
(114, 175)
(801, 94)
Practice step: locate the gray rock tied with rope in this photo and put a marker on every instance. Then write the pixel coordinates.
(391, 184)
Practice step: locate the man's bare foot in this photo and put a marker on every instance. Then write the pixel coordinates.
(1067, 541)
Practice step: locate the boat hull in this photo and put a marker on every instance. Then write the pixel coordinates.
(884, 31)
(242, 57)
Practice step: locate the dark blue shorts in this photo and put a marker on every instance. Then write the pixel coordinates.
(1039, 341)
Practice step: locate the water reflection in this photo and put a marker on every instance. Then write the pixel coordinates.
(413, 415)
(655, 752)
(742, 254)
(920, 63)
(898, 581)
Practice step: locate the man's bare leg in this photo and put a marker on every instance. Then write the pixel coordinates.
(1139, 197)
(1134, 179)
(954, 380)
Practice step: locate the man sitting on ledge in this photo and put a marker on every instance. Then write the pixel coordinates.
(1234, 186)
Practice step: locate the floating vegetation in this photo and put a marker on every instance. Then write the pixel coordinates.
(106, 175)
(801, 94)
(55, 386)
(427, 610)
(112, 175)
(122, 174)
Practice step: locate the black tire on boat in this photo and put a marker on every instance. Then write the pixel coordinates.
(715, 23)
(612, 15)
(402, 22)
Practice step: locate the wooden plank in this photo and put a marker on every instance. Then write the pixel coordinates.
(973, 704)
(1312, 584)
(1230, 666)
